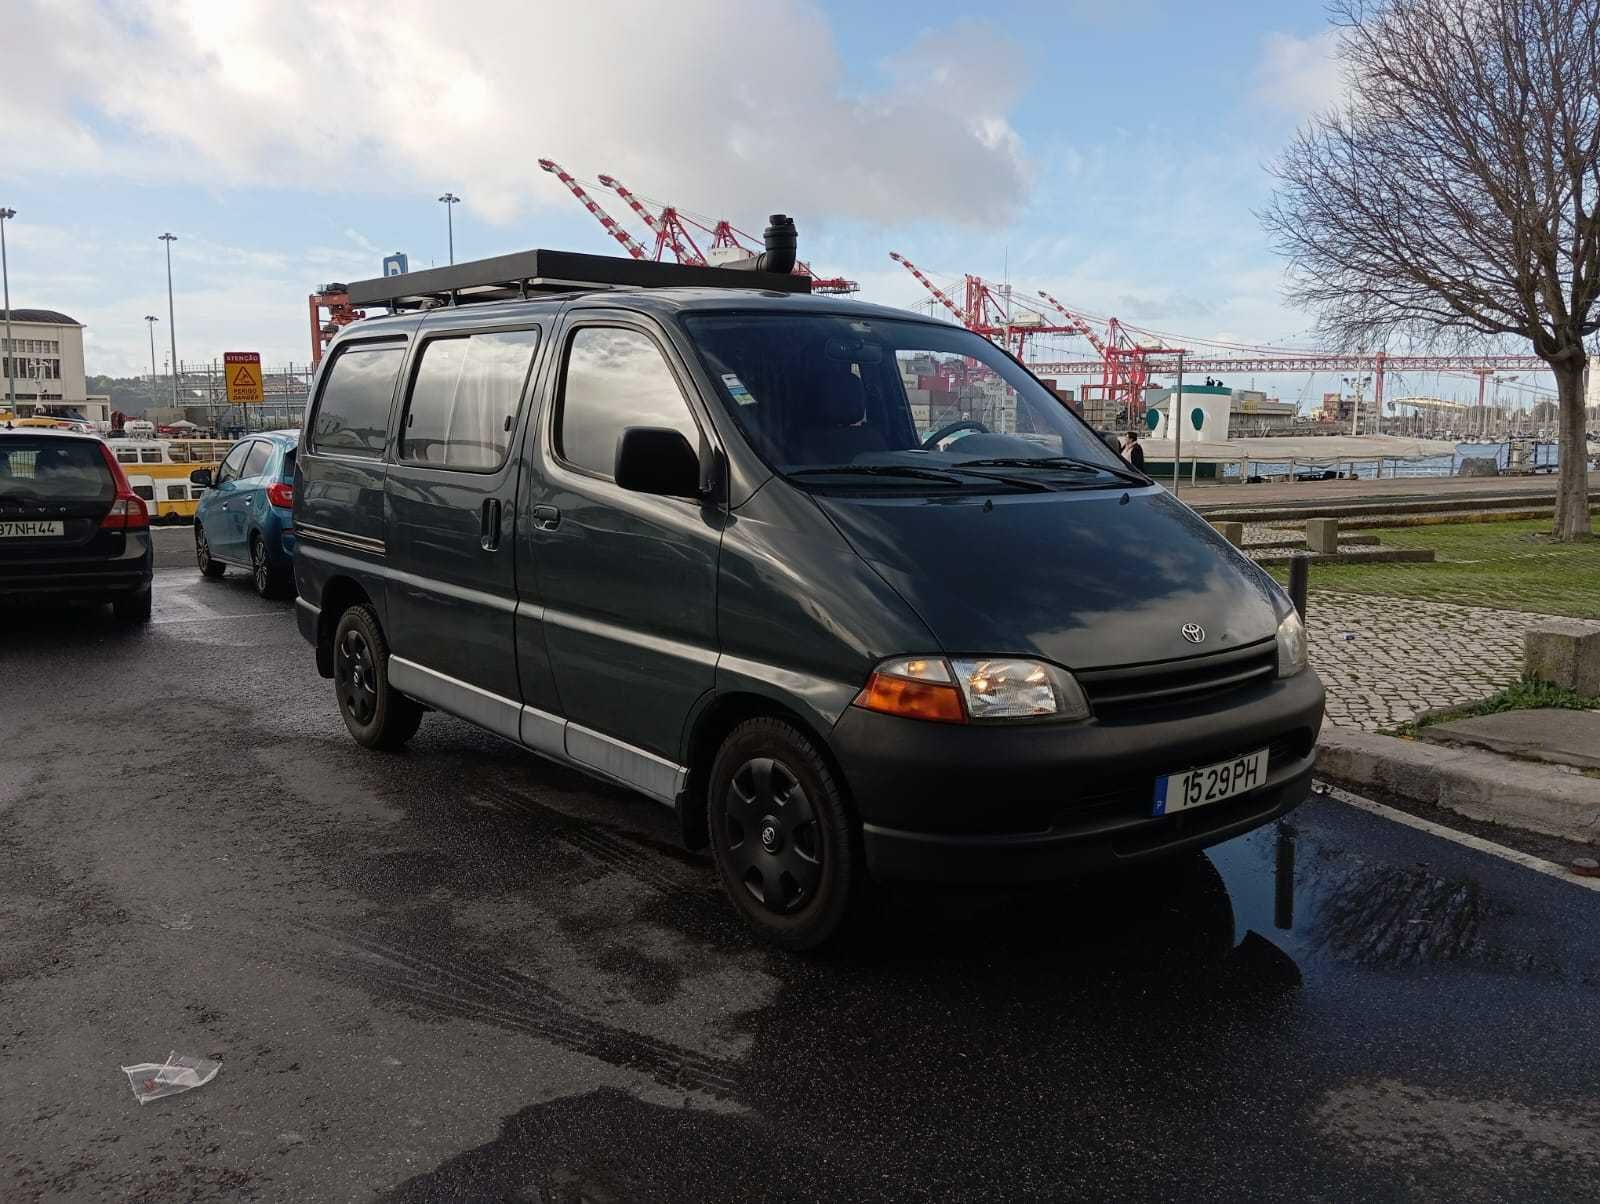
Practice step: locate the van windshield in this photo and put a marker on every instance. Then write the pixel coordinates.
(837, 399)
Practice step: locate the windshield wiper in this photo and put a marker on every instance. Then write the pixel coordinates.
(1127, 474)
(879, 470)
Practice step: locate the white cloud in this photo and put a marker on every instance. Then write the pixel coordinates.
(721, 108)
(1301, 75)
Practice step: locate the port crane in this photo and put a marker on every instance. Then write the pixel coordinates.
(673, 229)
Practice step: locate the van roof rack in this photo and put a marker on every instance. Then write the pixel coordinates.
(526, 273)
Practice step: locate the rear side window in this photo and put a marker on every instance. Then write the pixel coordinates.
(287, 472)
(256, 462)
(615, 379)
(465, 397)
(49, 470)
(353, 412)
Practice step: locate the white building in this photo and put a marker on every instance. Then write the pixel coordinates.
(43, 361)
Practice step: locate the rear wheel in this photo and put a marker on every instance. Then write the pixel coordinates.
(202, 554)
(785, 843)
(376, 714)
(271, 581)
(132, 608)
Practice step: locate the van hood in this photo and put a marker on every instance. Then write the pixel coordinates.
(1087, 579)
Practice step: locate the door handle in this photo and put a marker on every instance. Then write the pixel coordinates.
(546, 518)
(489, 526)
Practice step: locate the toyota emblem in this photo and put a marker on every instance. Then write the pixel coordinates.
(1194, 633)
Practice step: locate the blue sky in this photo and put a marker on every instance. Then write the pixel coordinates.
(1112, 153)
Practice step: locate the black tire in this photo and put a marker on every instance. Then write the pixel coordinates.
(784, 839)
(271, 581)
(376, 715)
(132, 608)
(202, 555)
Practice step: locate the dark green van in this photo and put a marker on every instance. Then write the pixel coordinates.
(846, 587)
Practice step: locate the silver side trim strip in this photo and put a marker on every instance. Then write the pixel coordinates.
(340, 539)
(644, 771)
(542, 732)
(487, 709)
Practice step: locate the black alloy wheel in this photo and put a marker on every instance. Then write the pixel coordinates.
(355, 677)
(377, 715)
(270, 581)
(259, 568)
(202, 555)
(772, 835)
(785, 840)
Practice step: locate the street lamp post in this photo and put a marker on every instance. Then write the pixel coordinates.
(150, 320)
(11, 350)
(1358, 383)
(450, 200)
(172, 329)
(1175, 426)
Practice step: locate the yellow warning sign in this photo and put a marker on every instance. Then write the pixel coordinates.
(241, 370)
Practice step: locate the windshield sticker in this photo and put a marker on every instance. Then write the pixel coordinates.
(736, 389)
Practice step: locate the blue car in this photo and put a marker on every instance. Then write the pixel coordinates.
(245, 518)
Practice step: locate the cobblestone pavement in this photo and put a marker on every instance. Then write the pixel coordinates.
(1385, 659)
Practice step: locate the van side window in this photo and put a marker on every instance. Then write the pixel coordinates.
(256, 461)
(353, 411)
(614, 379)
(465, 397)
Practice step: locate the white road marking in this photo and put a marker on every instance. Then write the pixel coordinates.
(1539, 865)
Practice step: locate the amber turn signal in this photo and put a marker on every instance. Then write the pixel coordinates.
(940, 703)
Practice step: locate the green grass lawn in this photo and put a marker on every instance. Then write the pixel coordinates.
(1509, 565)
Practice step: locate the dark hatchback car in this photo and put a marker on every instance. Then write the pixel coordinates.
(848, 588)
(71, 528)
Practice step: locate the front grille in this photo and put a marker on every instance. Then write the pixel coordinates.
(1115, 693)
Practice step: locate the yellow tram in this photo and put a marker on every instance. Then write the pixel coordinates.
(158, 471)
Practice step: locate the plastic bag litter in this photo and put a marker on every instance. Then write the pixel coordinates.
(179, 1073)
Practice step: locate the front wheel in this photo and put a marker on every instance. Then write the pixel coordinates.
(202, 554)
(786, 846)
(377, 715)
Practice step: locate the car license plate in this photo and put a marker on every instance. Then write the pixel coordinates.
(1210, 784)
(19, 529)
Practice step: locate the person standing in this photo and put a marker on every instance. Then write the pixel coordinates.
(1131, 451)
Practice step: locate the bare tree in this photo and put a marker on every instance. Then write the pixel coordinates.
(1452, 199)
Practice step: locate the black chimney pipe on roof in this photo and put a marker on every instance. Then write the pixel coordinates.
(780, 238)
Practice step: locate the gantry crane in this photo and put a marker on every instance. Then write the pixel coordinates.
(673, 230)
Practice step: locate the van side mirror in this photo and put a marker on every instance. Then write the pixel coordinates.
(200, 476)
(659, 460)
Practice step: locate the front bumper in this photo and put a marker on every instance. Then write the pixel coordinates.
(1032, 802)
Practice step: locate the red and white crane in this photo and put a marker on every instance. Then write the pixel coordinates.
(674, 230)
(600, 215)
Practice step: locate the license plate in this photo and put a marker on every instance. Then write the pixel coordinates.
(1211, 783)
(21, 530)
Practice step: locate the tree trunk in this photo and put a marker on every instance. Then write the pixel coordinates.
(1572, 492)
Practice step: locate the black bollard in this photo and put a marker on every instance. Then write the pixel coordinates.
(1299, 577)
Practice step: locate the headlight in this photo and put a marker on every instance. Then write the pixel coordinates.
(976, 689)
(1291, 645)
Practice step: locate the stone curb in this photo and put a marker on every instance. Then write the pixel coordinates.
(1478, 785)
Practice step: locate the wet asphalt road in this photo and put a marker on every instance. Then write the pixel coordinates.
(461, 973)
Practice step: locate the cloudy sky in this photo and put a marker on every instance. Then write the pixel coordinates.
(1110, 152)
